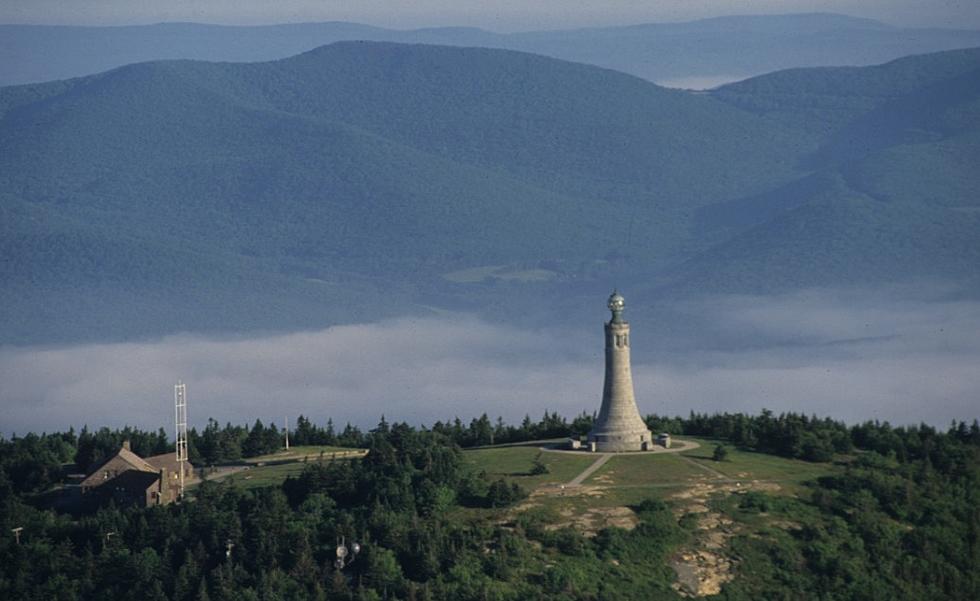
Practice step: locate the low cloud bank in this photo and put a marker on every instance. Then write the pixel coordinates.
(701, 82)
(851, 357)
(413, 370)
(849, 354)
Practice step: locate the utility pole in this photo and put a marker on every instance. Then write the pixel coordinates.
(17, 532)
(285, 428)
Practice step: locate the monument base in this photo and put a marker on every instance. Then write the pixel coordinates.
(621, 442)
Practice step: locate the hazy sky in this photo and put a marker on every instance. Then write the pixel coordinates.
(500, 15)
(851, 357)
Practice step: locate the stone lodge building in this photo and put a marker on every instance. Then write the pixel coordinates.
(129, 479)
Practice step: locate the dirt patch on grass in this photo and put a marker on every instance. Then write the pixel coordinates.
(569, 491)
(593, 519)
(763, 486)
(576, 513)
(619, 517)
(705, 566)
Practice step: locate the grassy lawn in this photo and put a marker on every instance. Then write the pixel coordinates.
(310, 452)
(273, 469)
(515, 463)
(639, 470)
(624, 479)
(759, 466)
(266, 475)
(629, 479)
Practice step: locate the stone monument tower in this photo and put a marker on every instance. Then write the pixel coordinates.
(619, 426)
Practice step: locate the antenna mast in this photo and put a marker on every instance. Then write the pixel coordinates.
(180, 420)
(285, 427)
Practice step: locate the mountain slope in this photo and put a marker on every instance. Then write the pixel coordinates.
(374, 178)
(380, 165)
(840, 237)
(895, 192)
(710, 49)
(361, 141)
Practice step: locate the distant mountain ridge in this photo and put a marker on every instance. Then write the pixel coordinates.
(893, 195)
(722, 48)
(345, 183)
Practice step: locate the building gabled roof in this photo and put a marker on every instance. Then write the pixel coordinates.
(137, 462)
(150, 464)
(135, 481)
(166, 460)
(129, 457)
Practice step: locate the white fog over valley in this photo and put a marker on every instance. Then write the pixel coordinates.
(701, 82)
(849, 355)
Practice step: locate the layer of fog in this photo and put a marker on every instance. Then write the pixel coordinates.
(701, 82)
(849, 356)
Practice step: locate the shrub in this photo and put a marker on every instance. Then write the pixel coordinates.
(721, 453)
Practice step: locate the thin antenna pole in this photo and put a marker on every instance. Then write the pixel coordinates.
(180, 420)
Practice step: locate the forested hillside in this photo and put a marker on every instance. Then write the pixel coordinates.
(895, 516)
(893, 191)
(361, 179)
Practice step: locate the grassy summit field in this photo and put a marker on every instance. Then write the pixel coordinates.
(306, 453)
(274, 468)
(641, 470)
(624, 479)
(628, 479)
(715, 502)
(748, 465)
(514, 464)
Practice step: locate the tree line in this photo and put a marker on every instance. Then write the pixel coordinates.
(37, 462)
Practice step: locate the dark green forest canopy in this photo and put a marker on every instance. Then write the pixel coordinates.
(345, 183)
(899, 521)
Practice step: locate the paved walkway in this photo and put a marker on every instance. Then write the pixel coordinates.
(676, 447)
(601, 461)
(709, 469)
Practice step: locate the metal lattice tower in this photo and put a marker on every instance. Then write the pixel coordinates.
(180, 420)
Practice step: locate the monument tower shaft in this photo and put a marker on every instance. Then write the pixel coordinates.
(619, 426)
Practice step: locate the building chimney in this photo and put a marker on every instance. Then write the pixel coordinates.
(126, 445)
